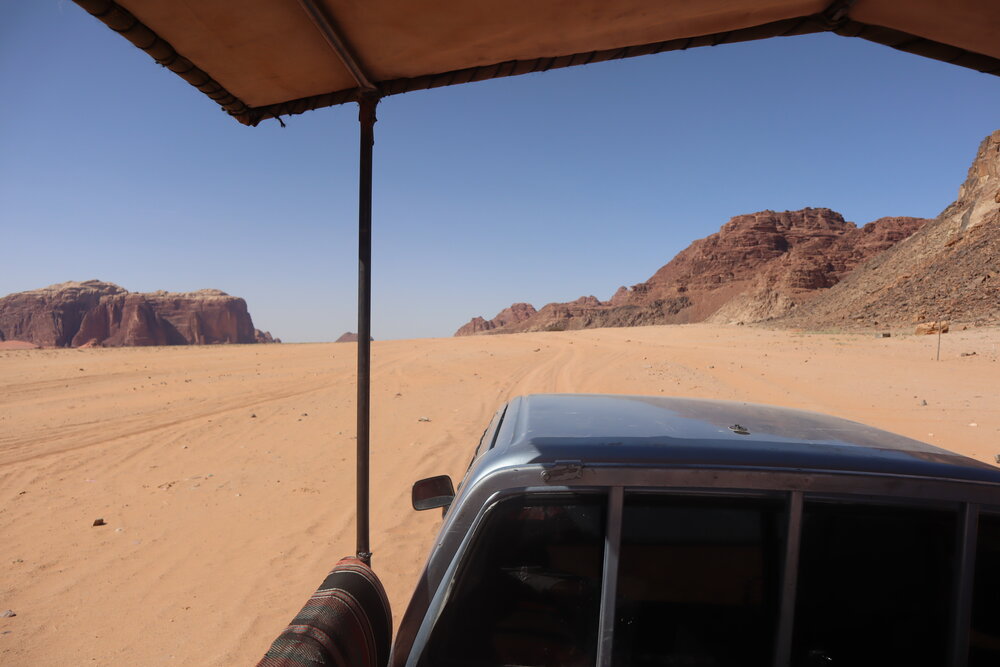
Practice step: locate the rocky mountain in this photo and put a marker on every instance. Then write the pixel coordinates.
(508, 317)
(349, 337)
(948, 270)
(757, 266)
(96, 313)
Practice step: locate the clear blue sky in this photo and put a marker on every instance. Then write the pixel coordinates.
(538, 188)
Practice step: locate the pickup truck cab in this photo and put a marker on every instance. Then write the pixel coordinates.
(631, 530)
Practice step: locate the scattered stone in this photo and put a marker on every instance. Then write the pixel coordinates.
(928, 328)
(997, 458)
(967, 354)
(924, 402)
(884, 334)
(253, 415)
(99, 522)
(305, 414)
(423, 419)
(9, 613)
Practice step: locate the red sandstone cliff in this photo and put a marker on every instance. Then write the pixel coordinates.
(756, 267)
(948, 270)
(515, 314)
(97, 313)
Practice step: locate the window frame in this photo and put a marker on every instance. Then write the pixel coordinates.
(794, 488)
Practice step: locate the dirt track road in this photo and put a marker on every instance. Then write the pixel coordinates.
(225, 474)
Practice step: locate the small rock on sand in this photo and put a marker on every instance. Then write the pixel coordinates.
(8, 614)
(928, 328)
(99, 522)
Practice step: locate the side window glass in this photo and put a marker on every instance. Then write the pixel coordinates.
(874, 586)
(698, 581)
(529, 591)
(984, 639)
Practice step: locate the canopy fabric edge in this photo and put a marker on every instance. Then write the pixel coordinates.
(126, 24)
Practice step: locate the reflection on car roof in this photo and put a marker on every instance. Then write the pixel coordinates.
(672, 432)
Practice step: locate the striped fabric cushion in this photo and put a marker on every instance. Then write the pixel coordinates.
(346, 623)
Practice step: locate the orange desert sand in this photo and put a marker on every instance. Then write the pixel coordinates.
(219, 523)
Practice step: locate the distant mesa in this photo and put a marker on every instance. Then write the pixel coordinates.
(756, 267)
(350, 337)
(94, 313)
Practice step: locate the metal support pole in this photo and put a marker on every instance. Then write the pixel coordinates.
(366, 117)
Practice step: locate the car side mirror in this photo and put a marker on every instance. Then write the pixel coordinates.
(433, 492)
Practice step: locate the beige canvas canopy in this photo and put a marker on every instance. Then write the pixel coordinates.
(268, 58)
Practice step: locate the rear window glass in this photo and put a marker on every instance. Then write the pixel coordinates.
(874, 586)
(984, 640)
(529, 592)
(698, 581)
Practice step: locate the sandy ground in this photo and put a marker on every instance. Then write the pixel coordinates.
(225, 474)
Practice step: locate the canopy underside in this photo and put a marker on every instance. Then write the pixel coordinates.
(268, 58)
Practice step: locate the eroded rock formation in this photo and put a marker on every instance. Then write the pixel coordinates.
(508, 317)
(95, 313)
(949, 269)
(757, 266)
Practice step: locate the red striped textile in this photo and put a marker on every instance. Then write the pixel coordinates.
(346, 623)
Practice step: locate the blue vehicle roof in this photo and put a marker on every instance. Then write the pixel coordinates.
(618, 430)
